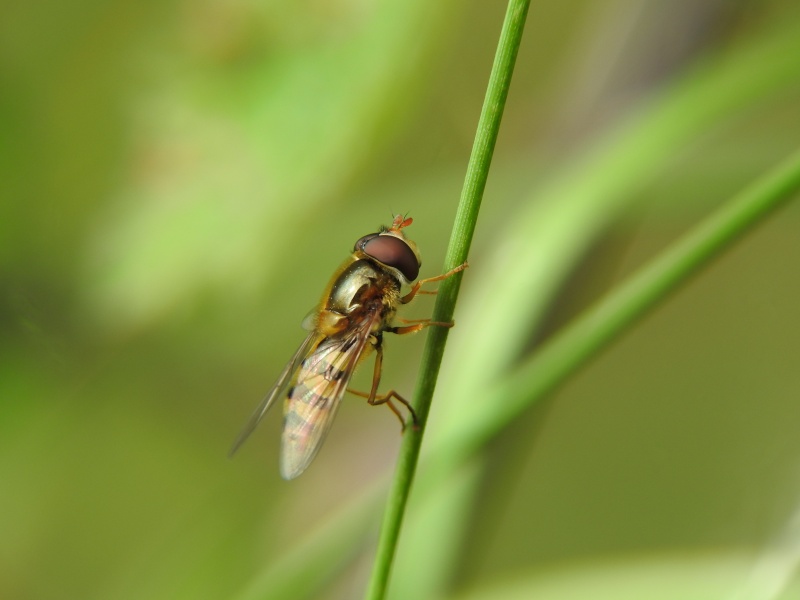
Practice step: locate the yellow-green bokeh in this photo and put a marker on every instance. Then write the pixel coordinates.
(179, 180)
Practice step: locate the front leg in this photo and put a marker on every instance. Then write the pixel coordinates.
(415, 288)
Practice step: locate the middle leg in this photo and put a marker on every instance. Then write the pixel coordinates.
(417, 325)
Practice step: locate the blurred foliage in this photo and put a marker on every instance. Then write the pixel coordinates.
(181, 179)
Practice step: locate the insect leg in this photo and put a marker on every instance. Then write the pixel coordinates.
(374, 399)
(418, 325)
(377, 370)
(415, 288)
(387, 400)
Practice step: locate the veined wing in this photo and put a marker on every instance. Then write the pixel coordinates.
(276, 390)
(312, 403)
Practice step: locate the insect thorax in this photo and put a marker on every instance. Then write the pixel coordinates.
(363, 282)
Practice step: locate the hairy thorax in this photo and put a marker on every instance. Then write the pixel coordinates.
(362, 290)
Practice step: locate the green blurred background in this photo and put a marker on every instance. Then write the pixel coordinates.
(179, 181)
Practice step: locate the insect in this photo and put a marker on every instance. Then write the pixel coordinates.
(348, 324)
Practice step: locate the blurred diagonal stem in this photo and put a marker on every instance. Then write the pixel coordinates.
(458, 249)
(606, 320)
(713, 93)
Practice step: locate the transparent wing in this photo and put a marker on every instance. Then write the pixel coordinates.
(280, 385)
(313, 400)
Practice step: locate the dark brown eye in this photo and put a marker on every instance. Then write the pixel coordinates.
(362, 241)
(393, 252)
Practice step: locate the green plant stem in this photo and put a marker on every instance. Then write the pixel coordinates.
(458, 250)
(755, 75)
(599, 325)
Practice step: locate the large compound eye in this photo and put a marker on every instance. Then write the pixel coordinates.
(393, 252)
(363, 241)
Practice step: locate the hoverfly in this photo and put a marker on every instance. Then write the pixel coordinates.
(356, 309)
